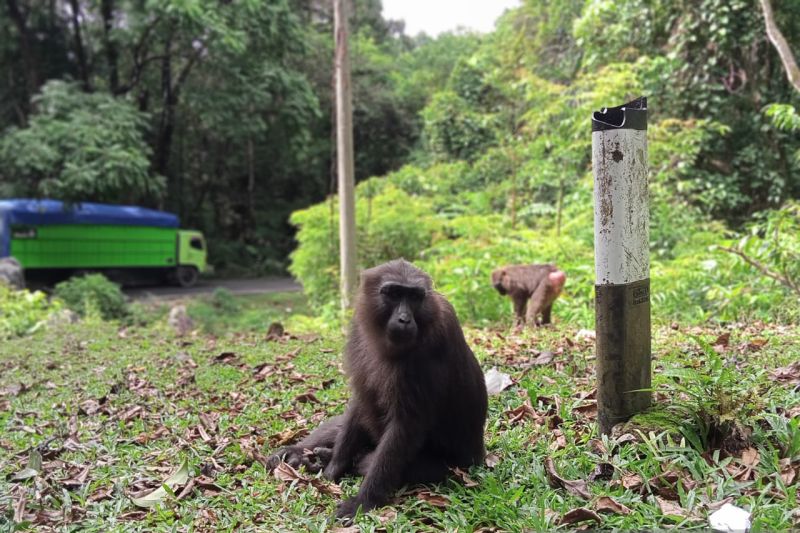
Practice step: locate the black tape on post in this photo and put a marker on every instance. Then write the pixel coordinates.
(622, 261)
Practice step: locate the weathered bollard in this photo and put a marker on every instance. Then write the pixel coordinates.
(622, 261)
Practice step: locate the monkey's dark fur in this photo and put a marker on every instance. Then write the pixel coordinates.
(418, 397)
(532, 288)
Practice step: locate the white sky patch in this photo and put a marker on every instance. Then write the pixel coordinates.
(436, 16)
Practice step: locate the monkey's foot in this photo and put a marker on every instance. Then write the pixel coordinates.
(295, 457)
(348, 509)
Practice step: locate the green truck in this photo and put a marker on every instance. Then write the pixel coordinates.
(127, 243)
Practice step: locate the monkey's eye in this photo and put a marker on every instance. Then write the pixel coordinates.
(392, 291)
(415, 294)
(396, 291)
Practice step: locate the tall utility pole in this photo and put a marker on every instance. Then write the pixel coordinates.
(344, 156)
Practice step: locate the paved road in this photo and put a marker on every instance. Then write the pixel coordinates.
(236, 286)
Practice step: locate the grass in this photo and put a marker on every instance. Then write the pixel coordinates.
(114, 411)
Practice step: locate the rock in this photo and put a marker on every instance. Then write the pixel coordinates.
(62, 318)
(179, 320)
(11, 273)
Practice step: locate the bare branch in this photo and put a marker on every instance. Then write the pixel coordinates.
(782, 279)
(779, 41)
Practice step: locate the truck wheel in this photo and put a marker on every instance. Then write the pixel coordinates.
(186, 276)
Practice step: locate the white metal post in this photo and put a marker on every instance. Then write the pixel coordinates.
(622, 261)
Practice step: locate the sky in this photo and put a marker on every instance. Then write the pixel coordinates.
(436, 16)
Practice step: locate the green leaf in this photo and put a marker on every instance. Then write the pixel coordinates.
(33, 468)
(180, 477)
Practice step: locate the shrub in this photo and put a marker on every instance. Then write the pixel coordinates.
(21, 312)
(93, 291)
(390, 224)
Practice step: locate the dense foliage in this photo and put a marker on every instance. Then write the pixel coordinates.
(218, 111)
(503, 174)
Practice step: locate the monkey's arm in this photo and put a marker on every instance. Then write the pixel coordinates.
(351, 440)
(398, 447)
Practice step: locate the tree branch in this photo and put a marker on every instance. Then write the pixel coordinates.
(779, 41)
(782, 279)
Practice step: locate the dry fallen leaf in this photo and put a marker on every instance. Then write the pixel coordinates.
(491, 460)
(576, 487)
(543, 358)
(605, 504)
(517, 415)
(789, 373)
(436, 500)
(580, 514)
(465, 479)
(287, 436)
(723, 340)
(602, 472)
(750, 457)
(225, 357)
(326, 487)
(597, 446)
(77, 481)
(559, 442)
(788, 473)
(284, 472)
(306, 397)
(589, 410)
(670, 508)
(629, 481)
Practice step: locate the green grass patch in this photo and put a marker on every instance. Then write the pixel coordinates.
(115, 411)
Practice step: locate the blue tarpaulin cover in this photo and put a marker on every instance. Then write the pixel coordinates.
(45, 212)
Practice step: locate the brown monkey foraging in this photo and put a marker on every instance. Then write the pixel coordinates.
(418, 397)
(532, 288)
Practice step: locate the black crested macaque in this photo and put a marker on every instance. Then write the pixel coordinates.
(418, 397)
(532, 288)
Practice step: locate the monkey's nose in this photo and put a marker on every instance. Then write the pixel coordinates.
(404, 319)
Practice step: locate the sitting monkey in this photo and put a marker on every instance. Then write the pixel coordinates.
(532, 288)
(417, 394)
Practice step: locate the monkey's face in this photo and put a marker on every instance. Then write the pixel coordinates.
(499, 281)
(402, 303)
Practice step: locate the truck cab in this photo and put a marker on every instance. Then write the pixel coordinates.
(192, 257)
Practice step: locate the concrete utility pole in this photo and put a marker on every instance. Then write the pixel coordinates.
(622, 261)
(344, 157)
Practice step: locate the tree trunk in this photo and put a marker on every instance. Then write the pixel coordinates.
(251, 180)
(27, 53)
(779, 41)
(80, 53)
(112, 55)
(514, 167)
(166, 123)
(559, 205)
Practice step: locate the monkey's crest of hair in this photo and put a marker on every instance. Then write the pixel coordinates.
(398, 270)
